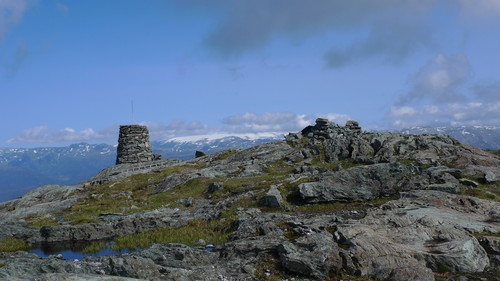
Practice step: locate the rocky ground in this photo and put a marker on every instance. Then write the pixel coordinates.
(328, 203)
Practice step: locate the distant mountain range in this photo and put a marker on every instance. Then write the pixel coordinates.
(22, 169)
(485, 137)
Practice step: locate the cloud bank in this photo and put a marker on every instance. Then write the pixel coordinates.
(249, 123)
(442, 92)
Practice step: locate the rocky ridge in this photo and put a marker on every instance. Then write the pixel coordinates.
(328, 202)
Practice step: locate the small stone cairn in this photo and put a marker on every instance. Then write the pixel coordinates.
(134, 145)
(324, 129)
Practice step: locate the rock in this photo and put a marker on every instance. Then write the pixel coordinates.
(469, 183)
(358, 183)
(490, 177)
(315, 255)
(491, 244)
(198, 154)
(187, 202)
(133, 266)
(216, 186)
(353, 126)
(272, 198)
(445, 187)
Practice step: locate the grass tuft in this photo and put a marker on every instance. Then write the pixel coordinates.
(11, 244)
(216, 232)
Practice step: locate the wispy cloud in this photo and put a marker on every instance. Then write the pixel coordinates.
(43, 134)
(439, 80)
(11, 12)
(12, 64)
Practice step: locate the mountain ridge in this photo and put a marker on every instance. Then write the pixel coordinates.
(75, 163)
(329, 202)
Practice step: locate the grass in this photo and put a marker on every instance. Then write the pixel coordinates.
(484, 191)
(215, 231)
(226, 154)
(40, 220)
(339, 206)
(95, 247)
(11, 244)
(494, 152)
(119, 196)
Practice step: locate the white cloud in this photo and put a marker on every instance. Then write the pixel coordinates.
(455, 114)
(277, 121)
(403, 111)
(44, 134)
(160, 131)
(439, 80)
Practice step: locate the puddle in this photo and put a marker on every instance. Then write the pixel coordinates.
(72, 250)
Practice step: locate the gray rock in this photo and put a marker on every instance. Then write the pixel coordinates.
(358, 183)
(315, 255)
(490, 177)
(445, 187)
(215, 186)
(469, 183)
(272, 198)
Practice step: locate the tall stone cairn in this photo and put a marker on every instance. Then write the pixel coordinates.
(134, 145)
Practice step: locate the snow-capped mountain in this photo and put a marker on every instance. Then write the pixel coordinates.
(485, 137)
(185, 147)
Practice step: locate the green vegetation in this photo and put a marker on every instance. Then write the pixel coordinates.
(95, 247)
(269, 267)
(118, 197)
(225, 154)
(40, 220)
(11, 244)
(216, 232)
(339, 206)
(495, 152)
(484, 191)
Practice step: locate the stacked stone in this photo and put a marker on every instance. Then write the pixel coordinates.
(134, 145)
(353, 126)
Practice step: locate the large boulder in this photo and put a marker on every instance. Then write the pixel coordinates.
(358, 183)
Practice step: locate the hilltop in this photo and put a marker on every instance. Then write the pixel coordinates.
(328, 202)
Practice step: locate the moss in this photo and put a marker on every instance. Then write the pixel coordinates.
(11, 244)
(442, 268)
(215, 231)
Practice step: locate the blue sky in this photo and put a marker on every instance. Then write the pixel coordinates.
(70, 70)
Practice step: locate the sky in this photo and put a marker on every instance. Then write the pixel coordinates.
(73, 71)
